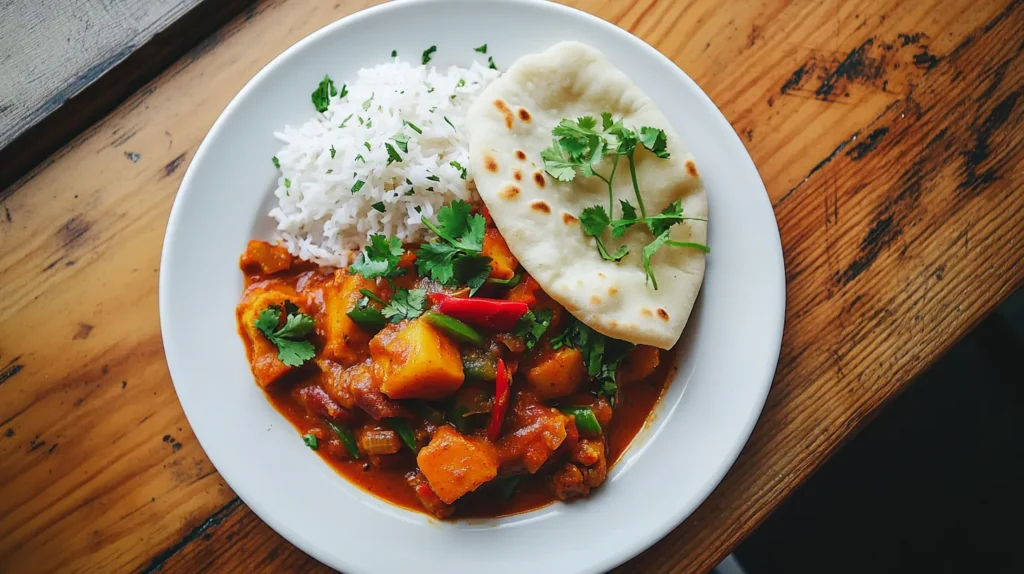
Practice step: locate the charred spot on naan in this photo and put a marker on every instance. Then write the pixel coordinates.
(691, 168)
(646, 312)
(490, 164)
(505, 111)
(613, 291)
(520, 155)
(569, 219)
(540, 206)
(517, 174)
(509, 192)
(524, 114)
(663, 314)
(538, 178)
(595, 299)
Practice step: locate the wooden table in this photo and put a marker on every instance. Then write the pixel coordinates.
(890, 141)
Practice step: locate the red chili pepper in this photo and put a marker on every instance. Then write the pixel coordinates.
(501, 392)
(495, 314)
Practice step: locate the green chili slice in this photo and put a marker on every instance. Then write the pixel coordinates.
(346, 438)
(586, 422)
(401, 426)
(454, 328)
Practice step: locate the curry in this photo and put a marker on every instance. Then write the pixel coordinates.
(459, 401)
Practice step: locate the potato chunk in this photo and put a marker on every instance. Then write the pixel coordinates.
(557, 373)
(413, 360)
(262, 354)
(503, 263)
(344, 340)
(455, 464)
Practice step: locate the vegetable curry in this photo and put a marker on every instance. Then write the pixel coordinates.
(463, 391)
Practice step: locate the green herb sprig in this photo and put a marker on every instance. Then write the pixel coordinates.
(456, 257)
(602, 355)
(579, 147)
(292, 349)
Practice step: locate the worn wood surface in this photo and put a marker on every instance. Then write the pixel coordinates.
(65, 64)
(889, 137)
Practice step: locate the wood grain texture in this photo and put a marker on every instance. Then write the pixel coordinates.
(889, 138)
(54, 48)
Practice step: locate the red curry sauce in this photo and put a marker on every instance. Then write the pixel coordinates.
(341, 388)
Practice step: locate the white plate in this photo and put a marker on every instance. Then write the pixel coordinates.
(730, 346)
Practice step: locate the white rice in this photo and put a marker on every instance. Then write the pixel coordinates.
(319, 218)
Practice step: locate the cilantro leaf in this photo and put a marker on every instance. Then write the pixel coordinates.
(310, 441)
(322, 94)
(344, 91)
(457, 256)
(481, 49)
(671, 215)
(405, 304)
(532, 326)
(290, 349)
(277, 162)
(473, 270)
(366, 106)
(435, 260)
(392, 154)
(394, 53)
(556, 164)
(333, 152)
(619, 226)
(606, 120)
(412, 126)
(594, 221)
(359, 185)
(655, 245)
(402, 141)
(379, 206)
(490, 63)
(427, 53)
(654, 140)
(380, 258)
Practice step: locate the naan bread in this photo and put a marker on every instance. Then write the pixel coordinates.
(510, 124)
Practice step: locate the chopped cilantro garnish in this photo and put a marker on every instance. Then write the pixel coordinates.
(402, 141)
(413, 127)
(405, 304)
(462, 82)
(358, 185)
(427, 53)
(344, 91)
(345, 121)
(433, 178)
(367, 145)
(379, 206)
(287, 182)
(532, 326)
(456, 257)
(459, 167)
(366, 105)
(310, 441)
(490, 63)
(581, 145)
(277, 162)
(449, 122)
(380, 258)
(602, 355)
(369, 123)
(291, 349)
(481, 49)
(394, 53)
(323, 93)
(333, 151)
(392, 154)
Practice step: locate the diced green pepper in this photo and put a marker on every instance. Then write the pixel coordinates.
(586, 422)
(346, 438)
(401, 426)
(368, 318)
(454, 328)
(479, 364)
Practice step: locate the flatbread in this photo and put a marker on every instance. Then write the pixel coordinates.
(510, 124)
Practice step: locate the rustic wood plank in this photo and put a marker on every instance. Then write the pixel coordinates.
(898, 205)
(67, 64)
